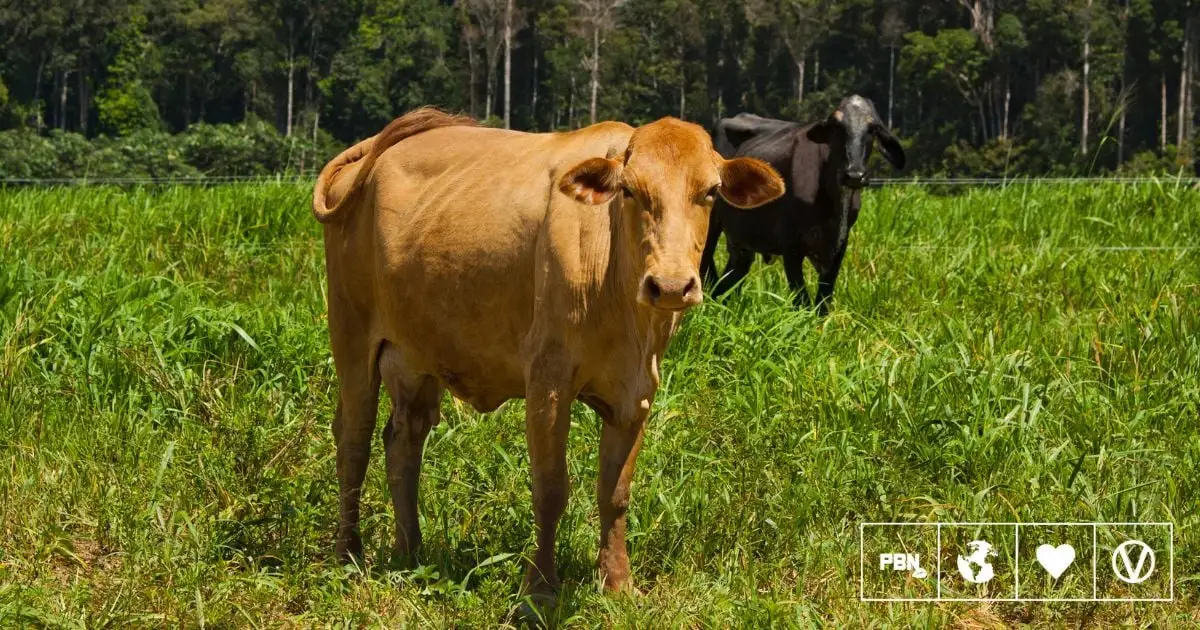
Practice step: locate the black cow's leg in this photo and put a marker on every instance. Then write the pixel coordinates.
(708, 263)
(740, 261)
(825, 281)
(793, 267)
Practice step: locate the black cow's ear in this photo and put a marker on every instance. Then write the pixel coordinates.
(821, 132)
(889, 145)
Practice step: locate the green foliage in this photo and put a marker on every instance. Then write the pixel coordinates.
(253, 148)
(166, 393)
(997, 158)
(396, 60)
(125, 105)
(247, 149)
(952, 57)
(948, 81)
(1169, 163)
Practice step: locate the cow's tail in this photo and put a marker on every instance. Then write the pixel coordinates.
(369, 150)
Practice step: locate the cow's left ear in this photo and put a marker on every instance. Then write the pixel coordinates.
(749, 183)
(593, 181)
(889, 145)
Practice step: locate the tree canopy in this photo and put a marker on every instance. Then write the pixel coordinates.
(974, 86)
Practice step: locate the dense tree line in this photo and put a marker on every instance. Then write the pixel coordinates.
(976, 86)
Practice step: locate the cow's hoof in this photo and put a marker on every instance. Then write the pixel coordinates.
(626, 589)
(537, 610)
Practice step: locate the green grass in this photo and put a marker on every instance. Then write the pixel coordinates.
(166, 392)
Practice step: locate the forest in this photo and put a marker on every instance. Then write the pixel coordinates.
(237, 87)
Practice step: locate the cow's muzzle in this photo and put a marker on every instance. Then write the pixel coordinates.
(671, 293)
(855, 179)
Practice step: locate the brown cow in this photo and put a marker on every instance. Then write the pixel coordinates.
(500, 265)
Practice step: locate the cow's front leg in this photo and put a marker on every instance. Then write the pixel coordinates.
(708, 263)
(793, 267)
(620, 441)
(827, 278)
(738, 266)
(547, 422)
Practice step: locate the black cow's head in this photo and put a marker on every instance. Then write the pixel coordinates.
(855, 125)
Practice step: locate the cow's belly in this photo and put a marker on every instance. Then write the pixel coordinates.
(769, 231)
(457, 295)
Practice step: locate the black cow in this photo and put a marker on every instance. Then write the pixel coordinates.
(824, 166)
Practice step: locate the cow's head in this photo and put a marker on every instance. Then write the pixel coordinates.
(665, 185)
(853, 127)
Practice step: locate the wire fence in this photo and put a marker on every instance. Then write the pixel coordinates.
(300, 178)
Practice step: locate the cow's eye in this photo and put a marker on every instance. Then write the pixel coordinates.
(628, 193)
(712, 194)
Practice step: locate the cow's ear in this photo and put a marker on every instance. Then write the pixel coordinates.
(749, 183)
(889, 145)
(593, 181)
(822, 132)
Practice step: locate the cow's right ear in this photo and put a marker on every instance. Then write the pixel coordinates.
(821, 132)
(593, 181)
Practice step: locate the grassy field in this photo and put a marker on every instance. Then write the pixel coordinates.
(166, 392)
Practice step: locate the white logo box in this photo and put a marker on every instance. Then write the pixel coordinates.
(1017, 527)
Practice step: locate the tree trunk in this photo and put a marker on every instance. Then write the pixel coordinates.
(571, 105)
(595, 70)
(891, 83)
(1185, 85)
(1087, 36)
(682, 86)
(291, 93)
(1007, 102)
(1192, 71)
(981, 19)
(491, 85)
(291, 76)
(1162, 128)
(473, 63)
(816, 80)
(83, 98)
(37, 77)
(62, 101)
(1124, 99)
(983, 125)
(316, 120)
(1123, 103)
(534, 100)
(800, 64)
(508, 9)
(187, 99)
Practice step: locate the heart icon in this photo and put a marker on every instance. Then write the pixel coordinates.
(1055, 559)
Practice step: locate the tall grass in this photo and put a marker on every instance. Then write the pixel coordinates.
(1024, 354)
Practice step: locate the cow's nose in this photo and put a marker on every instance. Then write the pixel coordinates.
(856, 177)
(671, 293)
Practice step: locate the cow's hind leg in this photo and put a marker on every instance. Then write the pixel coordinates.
(415, 411)
(739, 264)
(358, 404)
(793, 267)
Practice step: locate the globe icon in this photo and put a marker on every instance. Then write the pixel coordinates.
(974, 566)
